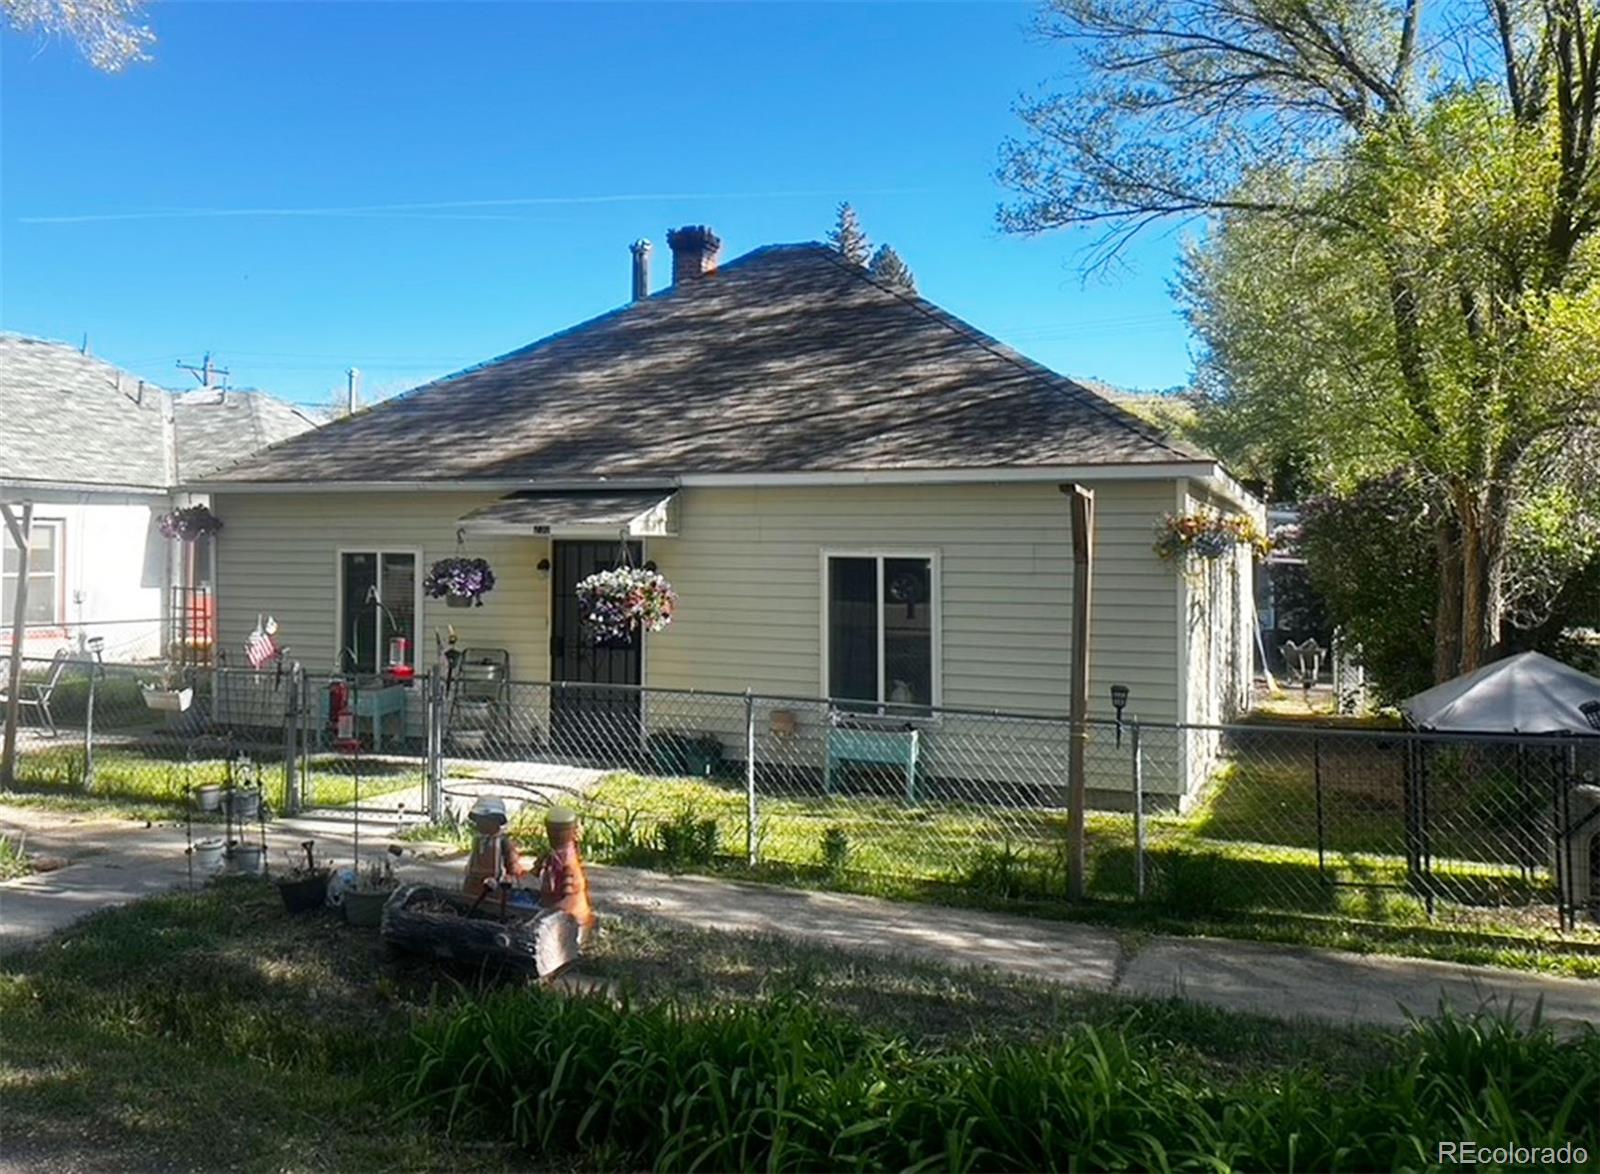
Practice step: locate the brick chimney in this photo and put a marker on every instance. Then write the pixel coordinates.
(694, 251)
(641, 269)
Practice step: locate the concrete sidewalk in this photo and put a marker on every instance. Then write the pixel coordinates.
(114, 862)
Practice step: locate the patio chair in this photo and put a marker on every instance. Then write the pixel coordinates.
(36, 694)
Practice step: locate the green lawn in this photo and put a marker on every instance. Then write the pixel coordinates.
(214, 1031)
(1204, 876)
(155, 781)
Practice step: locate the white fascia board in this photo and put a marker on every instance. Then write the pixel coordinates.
(81, 493)
(1152, 471)
(1223, 482)
(1042, 473)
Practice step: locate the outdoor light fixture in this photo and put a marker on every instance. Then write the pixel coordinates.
(1119, 701)
(543, 567)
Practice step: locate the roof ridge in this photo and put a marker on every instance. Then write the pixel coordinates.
(1031, 367)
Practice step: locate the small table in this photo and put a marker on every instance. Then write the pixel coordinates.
(375, 704)
(878, 747)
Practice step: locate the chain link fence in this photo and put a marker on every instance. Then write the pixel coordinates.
(1500, 834)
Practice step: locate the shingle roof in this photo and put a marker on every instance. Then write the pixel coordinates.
(69, 418)
(216, 429)
(788, 359)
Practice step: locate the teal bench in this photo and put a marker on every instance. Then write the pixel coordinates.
(847, 744)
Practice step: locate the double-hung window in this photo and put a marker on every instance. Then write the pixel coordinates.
(44, 574)
(880, 630)
(377, 605)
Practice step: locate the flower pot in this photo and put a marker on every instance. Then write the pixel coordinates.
(244, 806)
(364, 907)
(167, 700)
(208, 857)
(208, 797)
(304, 892)
(250, 859)
(459, 601)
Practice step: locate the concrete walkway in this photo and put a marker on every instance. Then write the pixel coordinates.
(114, 862)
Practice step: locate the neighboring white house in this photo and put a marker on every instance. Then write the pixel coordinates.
(855, 494)
(99, 453)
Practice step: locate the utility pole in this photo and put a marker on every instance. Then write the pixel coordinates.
(352, 382)
(204, 371)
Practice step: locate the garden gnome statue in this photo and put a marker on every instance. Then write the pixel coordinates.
(494, 859)
(562, 884)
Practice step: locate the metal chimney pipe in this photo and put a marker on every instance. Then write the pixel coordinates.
(641, 269)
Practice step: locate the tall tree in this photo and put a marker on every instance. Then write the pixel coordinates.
(106, 32)
(1425, 264)
(848, 238)
(888, 267)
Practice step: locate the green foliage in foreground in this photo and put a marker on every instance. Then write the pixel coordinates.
(781, 1086)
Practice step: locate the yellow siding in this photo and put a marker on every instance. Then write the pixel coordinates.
(747, 566)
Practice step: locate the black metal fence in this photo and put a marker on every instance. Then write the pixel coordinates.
(1493, 833)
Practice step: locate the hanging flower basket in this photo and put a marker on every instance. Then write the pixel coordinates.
(1208, 535)
(190, 523)
(460, 582)
(620, 602)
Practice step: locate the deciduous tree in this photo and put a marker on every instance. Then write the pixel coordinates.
(106, 32)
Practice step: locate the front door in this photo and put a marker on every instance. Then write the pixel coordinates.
(587, 719)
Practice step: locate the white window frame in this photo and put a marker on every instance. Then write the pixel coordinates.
(338, 597)
(57, 572)
(935, 633)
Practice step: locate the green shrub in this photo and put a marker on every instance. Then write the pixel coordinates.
(1192, 883)
(687, 842)
(781, 1086)
(835, 850)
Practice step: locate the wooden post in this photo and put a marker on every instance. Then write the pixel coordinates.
(21, 531)
(1077, 787)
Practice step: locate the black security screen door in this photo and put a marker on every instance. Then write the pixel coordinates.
(594, 722)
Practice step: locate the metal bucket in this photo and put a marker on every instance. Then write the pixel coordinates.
(244, 806)
(251, 859)
(208, 857)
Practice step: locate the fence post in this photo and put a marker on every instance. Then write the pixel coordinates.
(750, 776)
(291, 751)
(435, 746)
(88, 731)
(1316, 775)
(1138, 812)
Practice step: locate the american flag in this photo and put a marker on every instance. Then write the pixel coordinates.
(260, 647)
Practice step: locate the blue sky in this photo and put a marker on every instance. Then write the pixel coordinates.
(411, 188)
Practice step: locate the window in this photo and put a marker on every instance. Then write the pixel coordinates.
(879, 630)
(377, 605)
(44, 574)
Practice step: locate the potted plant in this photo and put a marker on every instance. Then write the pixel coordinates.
(304, 886)
(460, 582)
(189, 523)
(363, 904)
(1208, 535)
(166, 693)
(620, 602)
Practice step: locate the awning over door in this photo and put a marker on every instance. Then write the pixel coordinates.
(579, 513)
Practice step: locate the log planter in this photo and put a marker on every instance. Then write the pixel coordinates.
(450, 926)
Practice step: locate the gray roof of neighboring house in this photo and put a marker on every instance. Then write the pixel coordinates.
(218, 428)
(787, 359)
(67, 418)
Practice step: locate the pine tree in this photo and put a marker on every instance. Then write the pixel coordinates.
(888, 268)
(848, 237)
